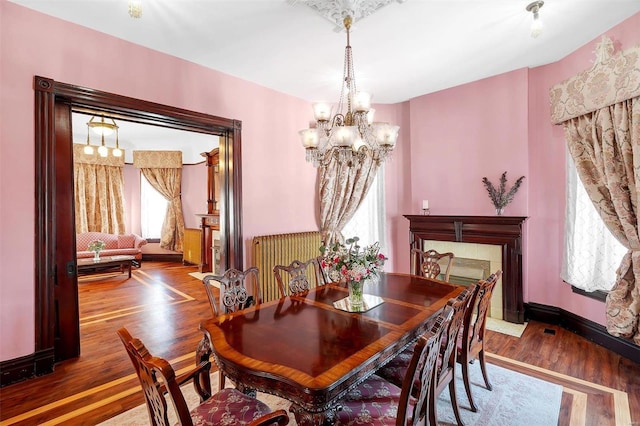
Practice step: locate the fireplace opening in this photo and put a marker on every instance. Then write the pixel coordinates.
(466, 271)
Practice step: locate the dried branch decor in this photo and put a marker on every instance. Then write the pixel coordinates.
(501, 197)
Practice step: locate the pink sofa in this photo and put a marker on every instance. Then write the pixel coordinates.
(127, 244)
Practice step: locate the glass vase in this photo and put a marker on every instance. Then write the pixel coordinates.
(355, 293)
(96, 256)
(499, 211)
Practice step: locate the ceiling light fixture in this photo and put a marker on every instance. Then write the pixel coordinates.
(536, 25)
(103, 128)
(351, 133)
(135, 8)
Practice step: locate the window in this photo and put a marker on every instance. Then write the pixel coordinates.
(591, 253)
(368, 221)
(153, 207)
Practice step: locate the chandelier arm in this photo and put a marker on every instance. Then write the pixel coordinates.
(349, 137)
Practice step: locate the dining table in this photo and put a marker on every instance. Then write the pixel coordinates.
(313, 348)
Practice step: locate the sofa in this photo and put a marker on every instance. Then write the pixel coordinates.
(127, 244)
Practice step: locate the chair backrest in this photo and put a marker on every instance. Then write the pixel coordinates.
(421, 370)
(156, 376)
(449, 351)
(476, 316)
(234, 292)
(429, 263)
(298, 274)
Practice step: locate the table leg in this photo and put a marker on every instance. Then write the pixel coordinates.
(303, 417)
(129, 267)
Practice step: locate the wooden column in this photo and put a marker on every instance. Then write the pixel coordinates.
(505, 231)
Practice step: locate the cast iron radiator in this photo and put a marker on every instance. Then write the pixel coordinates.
(282, 249)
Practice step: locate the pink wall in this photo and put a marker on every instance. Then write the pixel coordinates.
(278, 185)
(486, 127)
(448, 141)
(547, 170)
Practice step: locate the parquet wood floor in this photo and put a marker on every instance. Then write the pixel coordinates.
(163, 306)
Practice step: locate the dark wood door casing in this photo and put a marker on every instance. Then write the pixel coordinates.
(54, 257)
(505, 231)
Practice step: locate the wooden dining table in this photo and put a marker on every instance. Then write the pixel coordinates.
(304, 349)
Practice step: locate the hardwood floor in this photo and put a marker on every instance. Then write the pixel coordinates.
(162, 305)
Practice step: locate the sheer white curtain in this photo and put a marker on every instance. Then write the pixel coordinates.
(591, 253)
(368, 222)
(152, 208)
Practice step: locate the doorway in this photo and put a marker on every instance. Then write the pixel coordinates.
(56, 284)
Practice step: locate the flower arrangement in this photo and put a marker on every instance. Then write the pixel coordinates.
(350, 262)
(501, 197)
(96, 246)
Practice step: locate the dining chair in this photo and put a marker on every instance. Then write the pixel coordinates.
(159, 383)
(234, 294)
(428, 263)
(299, 273)
(471, 344)
(446, 366)
(378, 402)
(395, 371)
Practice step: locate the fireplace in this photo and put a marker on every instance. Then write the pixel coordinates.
(504, 233)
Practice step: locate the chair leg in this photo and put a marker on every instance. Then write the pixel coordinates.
(467, 384)
(483, 367)
(454, 401)
(433, 415)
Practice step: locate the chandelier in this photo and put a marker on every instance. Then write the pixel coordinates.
(536, 25)
(135, 8)
(351, 134)
(103, 128)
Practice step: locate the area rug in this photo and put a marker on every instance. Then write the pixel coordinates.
(516, 399)
(506, 327)
(201, 275)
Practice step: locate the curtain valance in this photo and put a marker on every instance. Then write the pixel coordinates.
(157, 159)
(612, 79)
(80, 157)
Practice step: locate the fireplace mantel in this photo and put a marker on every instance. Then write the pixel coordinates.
(505, 231)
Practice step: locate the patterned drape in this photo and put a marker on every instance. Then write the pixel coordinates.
(98, 191)
(600, 109)
(163, 170)
(602, 145)
(343, 185)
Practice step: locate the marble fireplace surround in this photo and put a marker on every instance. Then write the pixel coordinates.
(501, 233)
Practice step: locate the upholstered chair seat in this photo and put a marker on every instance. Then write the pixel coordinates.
(379, 402)
(229, 407)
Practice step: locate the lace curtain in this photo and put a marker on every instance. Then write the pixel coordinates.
(98, 191)
(368, 221)
(343, 187)
(591, 254)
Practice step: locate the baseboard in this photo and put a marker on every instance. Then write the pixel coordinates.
(157, 257)
(588, 329)
(23, 368)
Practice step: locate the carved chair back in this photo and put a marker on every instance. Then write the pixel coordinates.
(234, 292)
(476, 316)
(420, 376)
(159, 382)
(158, 378)
(429, 263)
(471, 344)
(445, 372)
(298, 276)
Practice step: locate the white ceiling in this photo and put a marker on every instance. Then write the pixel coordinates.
(405, 49)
